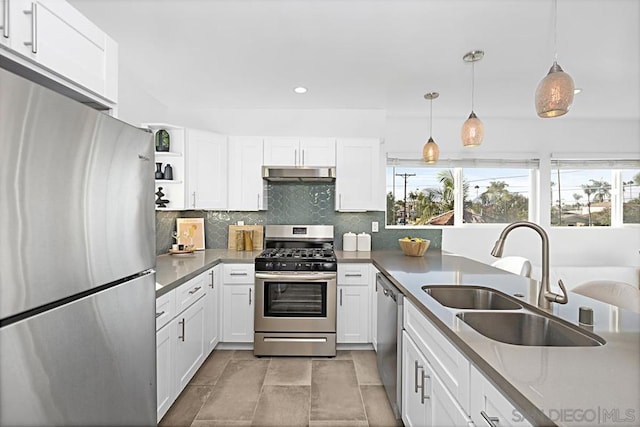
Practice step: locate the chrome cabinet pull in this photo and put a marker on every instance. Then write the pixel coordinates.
(244, 273)
(353, 274)
(340, 201)
(159, 314)
(182, 323)
(34, 27)
(250, 290)
(295, 157)
(416, 366)
(194, 290)
(490, 420)
(5, 19)
(211, 274)
(423, 397)
(194, 199)
(302, 157)
(340, 297)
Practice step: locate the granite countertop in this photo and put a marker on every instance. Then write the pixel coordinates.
(601, 382)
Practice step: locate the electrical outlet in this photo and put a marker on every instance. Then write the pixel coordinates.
(374, 226)
(240, 223)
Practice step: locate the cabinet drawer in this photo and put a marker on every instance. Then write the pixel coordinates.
(447, 361)
(189, 292)
(165, 309)
(353, 274)
(239, 273)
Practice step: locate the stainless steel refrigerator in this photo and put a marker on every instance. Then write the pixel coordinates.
(77, 252)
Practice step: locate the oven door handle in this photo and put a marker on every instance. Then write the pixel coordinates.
(298, 276)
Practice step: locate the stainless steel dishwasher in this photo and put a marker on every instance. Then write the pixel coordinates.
(389, 338)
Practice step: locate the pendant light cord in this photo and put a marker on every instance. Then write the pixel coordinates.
(555, 30)
(430, 117)
(473, 75)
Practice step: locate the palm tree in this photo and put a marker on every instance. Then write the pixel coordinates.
(588, 190)
(602, 191)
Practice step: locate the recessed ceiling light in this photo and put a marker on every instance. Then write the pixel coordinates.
(300, 89)
(577, 90)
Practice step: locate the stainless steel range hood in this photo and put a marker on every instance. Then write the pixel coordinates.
(298, 173)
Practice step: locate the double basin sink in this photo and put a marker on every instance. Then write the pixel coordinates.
(503, 318)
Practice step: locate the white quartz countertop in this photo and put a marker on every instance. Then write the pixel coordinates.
(550, 385)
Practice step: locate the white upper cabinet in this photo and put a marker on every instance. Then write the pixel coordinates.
(246, 186)
(300, 152)
(359, 175)
(58, 42)
(206, 185)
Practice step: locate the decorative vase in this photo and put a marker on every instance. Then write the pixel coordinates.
(162, 140)
(168, 172)
(159, 174)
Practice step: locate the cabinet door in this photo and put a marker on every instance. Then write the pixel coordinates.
(246, 186)
(487, 400)
(282, 152)
(353, 314)
(414, 405)
(238, 313)
(165, 362)
(317, 152)
(190, 344)
(373, 291)
(207, 170)
(358, 175)
(212, 307)
(444, 408)
(64, 41)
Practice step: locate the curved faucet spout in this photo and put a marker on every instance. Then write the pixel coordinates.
(545, 296)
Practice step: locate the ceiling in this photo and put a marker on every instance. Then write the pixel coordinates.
(376, 54)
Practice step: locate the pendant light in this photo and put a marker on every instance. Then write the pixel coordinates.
(472, 129)
(554, 94)
(430, 151)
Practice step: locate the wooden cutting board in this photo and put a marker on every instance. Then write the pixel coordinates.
(258, 236)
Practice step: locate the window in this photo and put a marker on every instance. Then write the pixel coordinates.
(595, 193)
(454, 192)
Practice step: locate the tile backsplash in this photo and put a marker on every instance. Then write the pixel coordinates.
(291, 203)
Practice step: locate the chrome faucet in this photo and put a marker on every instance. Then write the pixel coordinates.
(545, 296)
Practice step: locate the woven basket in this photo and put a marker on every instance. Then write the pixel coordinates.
(414, 248)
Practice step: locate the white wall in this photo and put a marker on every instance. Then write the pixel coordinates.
(135, 106)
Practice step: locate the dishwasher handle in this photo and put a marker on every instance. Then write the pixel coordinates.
(387, 288)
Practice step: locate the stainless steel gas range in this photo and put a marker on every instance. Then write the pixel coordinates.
(295, 310)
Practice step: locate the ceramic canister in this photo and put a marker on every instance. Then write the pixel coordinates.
(349, 242)
(364, 242)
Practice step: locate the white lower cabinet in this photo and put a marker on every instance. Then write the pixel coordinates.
(374, 306)
(165, 363)
(488, 405)
(425, 399)
(187, 330)
(237, 324)
(212, 302)
(353, 314)
(190, 345)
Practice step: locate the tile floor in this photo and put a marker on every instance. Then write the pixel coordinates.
(233, 388)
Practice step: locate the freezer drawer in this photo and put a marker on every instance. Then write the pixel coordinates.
(89, 362)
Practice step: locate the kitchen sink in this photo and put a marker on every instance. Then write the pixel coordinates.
(528, 329)
(471, 298)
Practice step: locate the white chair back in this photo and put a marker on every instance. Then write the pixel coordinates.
(514, 264)
(620, 294)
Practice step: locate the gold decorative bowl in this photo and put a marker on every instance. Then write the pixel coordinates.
(414, 248)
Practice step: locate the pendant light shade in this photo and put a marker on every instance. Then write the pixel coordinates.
(554, 94)
(472, 132)
(430, 151)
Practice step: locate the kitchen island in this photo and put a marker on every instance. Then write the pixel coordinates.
(548, 385)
